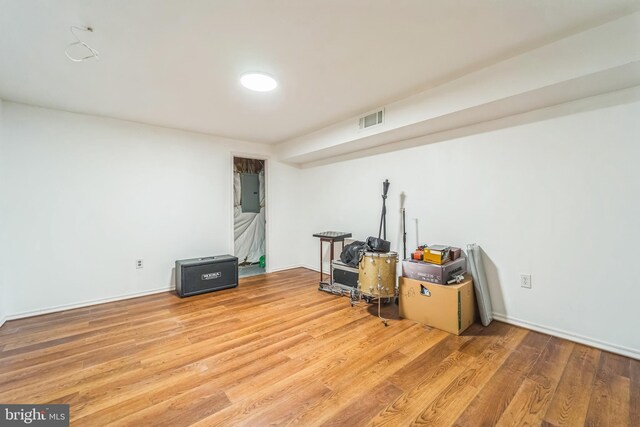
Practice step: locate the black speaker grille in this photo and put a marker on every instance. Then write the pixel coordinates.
(207, 275)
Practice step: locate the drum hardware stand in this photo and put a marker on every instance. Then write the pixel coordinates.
(380, 298)
(354, 297)
(334, 288)
(382, 232)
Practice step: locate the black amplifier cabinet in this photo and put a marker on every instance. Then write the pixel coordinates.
(200, 275)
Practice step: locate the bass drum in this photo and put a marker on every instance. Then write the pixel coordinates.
(377, 274)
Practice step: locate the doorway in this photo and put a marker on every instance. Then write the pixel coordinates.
(249, 215)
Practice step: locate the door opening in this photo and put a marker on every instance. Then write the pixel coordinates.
(249, 215)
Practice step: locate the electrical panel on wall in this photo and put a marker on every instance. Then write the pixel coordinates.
(250, 192)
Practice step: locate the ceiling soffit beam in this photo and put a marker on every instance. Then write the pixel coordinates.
(600, 60)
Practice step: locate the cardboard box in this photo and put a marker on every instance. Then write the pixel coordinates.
(439, 274)
(451, 308)
(436, 254)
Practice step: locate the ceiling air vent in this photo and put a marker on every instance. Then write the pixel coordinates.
(374, 119)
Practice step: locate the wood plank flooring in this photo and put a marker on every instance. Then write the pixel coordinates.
(275, 350)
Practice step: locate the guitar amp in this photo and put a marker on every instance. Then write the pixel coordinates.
(344, 274)
(199, 275)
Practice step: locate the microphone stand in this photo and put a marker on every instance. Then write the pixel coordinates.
(383, 232)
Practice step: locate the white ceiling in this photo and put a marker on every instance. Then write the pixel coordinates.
(176, 63)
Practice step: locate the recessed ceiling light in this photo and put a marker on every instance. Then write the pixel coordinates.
(260, 82)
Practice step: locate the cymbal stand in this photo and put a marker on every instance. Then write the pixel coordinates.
(382, 232)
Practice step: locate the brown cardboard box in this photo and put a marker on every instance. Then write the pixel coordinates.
(448, 307)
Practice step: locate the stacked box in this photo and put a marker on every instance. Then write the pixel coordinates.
(437, 254)
(434, 273)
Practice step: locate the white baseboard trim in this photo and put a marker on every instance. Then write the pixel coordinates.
(308, 267)
(291, 267)
(602, 345)
(2, 320)
(88, 303)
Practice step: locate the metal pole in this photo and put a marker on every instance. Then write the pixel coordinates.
(381, 219)
(404, 236)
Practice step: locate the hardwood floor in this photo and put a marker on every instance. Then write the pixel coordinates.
(278, 351)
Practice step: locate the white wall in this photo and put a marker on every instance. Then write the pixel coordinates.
(285, 216)
(3, 294)
(557, 199)
(87, 196)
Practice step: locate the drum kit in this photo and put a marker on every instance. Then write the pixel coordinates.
(376, 266)
(376, 279)
(377, 270)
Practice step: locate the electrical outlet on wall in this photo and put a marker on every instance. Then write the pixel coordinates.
(139, 263)
(525, 281)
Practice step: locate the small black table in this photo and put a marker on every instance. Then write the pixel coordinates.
(331, 237)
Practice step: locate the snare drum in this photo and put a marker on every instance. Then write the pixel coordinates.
(377, 274)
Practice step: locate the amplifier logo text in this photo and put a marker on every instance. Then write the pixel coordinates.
(209, 276)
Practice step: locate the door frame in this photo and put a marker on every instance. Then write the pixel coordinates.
(232, 237)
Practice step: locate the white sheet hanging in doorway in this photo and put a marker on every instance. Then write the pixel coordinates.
(249, 228)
